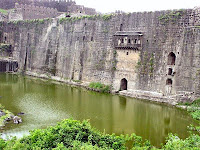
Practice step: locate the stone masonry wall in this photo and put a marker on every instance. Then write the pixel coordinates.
(28, 12)
(83, 49)
(60, 5)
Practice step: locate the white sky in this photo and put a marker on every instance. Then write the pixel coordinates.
(106, 6)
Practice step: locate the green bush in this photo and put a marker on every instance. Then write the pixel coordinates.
(107, 17)
(100, 87)
(73, 135)
(175, 143)
(69, 134)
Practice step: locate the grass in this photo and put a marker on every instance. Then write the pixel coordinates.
(3, 11)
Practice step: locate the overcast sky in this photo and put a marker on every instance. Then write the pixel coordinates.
(106, 6)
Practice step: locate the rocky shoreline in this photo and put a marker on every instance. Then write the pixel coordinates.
(6, 116)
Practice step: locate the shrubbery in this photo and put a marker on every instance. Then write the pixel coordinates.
(194, 109)
(100, 87)
(71, 134)
(74, 135)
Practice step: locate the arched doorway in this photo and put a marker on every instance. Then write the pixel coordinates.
(171, 59)
(123, 84)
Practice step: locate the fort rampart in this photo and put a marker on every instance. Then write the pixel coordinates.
(60, 5)
(147, 54)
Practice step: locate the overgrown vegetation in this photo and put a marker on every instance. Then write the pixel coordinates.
(193, 108)
(172, 17)
(73, 19)
(107, 16)
(114, 61)
(3, 11)
(173, 142)
(147, 64)
(7, 114)
(90, 17)
(100, 87)
(71, 134)
(33, 21)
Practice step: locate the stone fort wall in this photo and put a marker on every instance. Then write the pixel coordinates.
(25, 12)
(60, 5)
(167, 63)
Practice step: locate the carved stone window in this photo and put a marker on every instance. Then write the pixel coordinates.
(135, 41)
(169, 82)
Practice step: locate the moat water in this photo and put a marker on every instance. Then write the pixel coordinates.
(45, 103)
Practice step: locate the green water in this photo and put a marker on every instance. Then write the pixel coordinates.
(45, 103)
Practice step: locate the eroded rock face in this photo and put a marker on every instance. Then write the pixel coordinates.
(17, 120)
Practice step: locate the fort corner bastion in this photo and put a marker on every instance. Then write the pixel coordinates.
(148, 55)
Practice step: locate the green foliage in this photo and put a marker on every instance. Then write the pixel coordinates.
(3, 11)
(114, 61)
(146, 64)
(30, 22)
(194, 128)
(73, 19)
(174, 142)
(100, 87)
(195, 114)
(72, 135)
(193, 108)
(172, 17)
(107, 17)
(151, 64)
(8, 114)
(68, 134)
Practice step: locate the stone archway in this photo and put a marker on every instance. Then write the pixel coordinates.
(123, 84)
(171, 59)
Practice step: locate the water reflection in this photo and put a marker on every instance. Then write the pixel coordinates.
(45, 104)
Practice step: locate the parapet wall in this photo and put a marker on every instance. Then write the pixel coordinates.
(166, 63)
(59, 5)
(28, 12)
(195, 16)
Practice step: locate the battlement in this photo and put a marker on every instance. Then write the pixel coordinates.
(32, 12)
(195, 17)
(59, 5)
